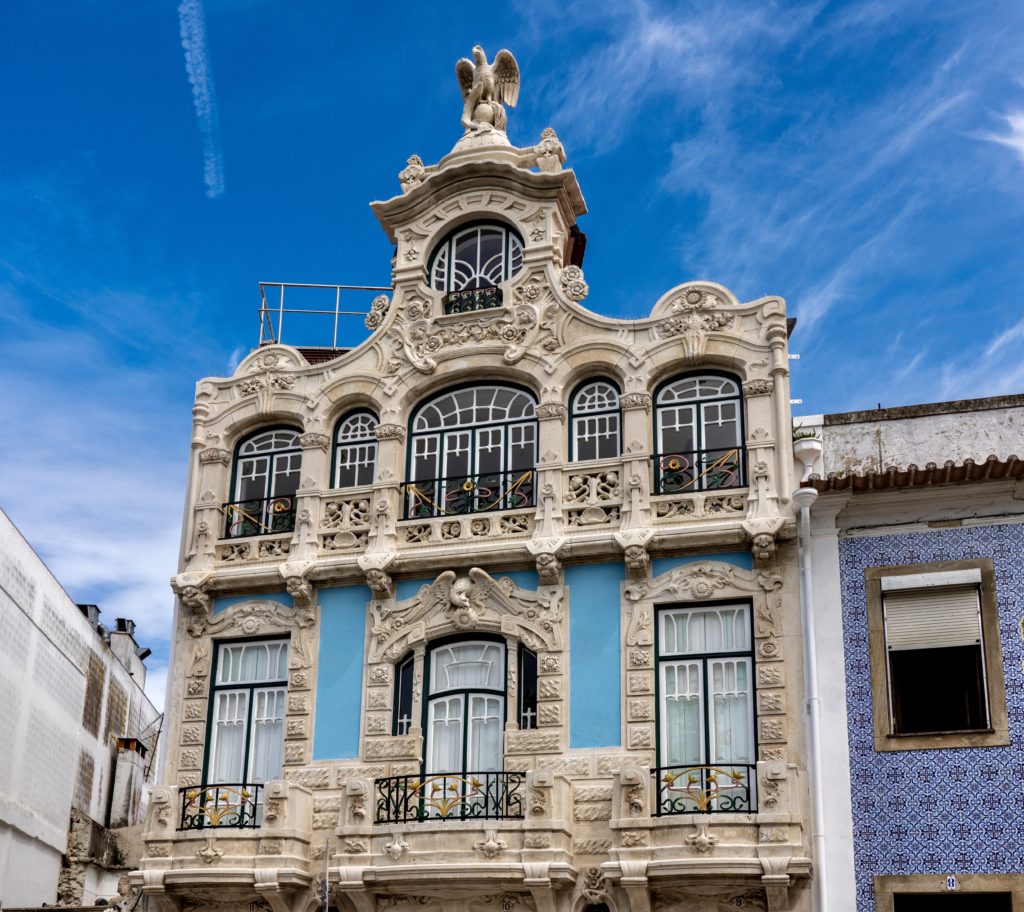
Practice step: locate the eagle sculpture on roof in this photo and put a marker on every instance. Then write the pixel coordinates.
(486, 87)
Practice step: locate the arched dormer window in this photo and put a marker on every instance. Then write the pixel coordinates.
(472, 450)
(355, 450)
(470, 264)
(265, 480)
(595, 421)
(698, 430)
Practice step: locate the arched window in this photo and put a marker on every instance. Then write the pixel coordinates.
(355, 450)
(266, 478)
(594, 421)
(473, 261)
(698, 427)
(472, 450)
(466, 707)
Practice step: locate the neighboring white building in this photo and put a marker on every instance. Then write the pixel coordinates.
(916, 538)
(77, 736)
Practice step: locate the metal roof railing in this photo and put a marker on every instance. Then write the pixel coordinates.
(272, 312)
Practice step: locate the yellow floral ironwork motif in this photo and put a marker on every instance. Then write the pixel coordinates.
(238, 516)
(722, 471)
(505, 500)
(708, 787)
(450, 796)
(444, 794)
(219, 806)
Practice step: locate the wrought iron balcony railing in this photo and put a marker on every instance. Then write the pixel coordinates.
(233, 806)
(472, 299)
(705, 789)
(268, 516)
(698, 470)
(460, 494)
(450, 796)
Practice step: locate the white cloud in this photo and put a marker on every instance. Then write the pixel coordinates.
(200, 77)
(97, 484)
(1014, 334)
(655, 60)
(156, 683)
(1013, 138)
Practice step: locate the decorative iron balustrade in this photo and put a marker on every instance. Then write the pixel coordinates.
(472, 299)
(268, 516)
(207, 806)
(705, 789)
(698, 470)
(461, 494)
(450, 796)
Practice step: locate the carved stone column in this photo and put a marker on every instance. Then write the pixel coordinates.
(777, 338)
(387, 493)
(212, 489)
(636, 463)
(315, 474)
(550, 445)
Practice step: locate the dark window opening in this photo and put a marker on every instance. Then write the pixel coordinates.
(952, 902)
(527, 688)
(403, 697)
(936, 690)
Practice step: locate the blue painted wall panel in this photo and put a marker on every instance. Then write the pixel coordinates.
(219, 604)
(595, 691)
(339, 687)
(595, 694)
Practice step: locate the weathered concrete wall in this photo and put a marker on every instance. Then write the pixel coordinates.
(64, 699)
(858, 442)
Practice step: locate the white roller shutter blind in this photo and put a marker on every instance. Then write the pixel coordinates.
(932, 618)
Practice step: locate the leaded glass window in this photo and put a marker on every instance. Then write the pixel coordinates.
(595, 421)
(355, 450)
(476, 257)
(698, 426)
(472, 450)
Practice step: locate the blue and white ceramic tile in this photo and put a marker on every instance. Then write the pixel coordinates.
(934, 811)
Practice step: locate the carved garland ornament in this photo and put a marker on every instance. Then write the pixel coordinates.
(255, 617)
(473, 602)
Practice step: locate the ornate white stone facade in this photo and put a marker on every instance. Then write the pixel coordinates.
(589, 831)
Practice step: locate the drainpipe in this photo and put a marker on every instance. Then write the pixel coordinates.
(802, 500)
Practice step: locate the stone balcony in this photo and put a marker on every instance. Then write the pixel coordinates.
(597, 509)
(248, 843)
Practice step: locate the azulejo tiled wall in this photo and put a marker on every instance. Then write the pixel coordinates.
(934, 811)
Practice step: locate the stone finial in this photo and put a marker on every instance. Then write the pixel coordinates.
(412, 174)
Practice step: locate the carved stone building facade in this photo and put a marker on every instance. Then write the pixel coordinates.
(498, 608)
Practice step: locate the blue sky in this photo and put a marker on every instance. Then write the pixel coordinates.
(865, 160)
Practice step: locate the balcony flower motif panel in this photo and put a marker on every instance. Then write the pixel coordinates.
(469, 796)
(489, 491)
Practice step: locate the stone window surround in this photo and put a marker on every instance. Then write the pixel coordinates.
(887, 885)
(999, 734)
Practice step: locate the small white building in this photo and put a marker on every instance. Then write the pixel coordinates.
(77, 738)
